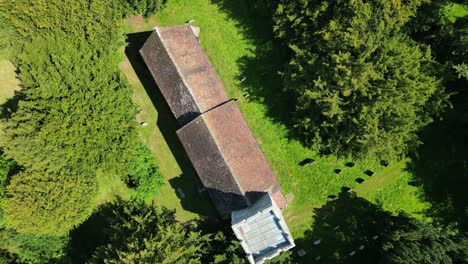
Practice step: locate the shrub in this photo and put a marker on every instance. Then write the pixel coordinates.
(143, 174)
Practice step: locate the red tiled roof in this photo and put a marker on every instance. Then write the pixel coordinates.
(239, 148)
(182, 71)
(214, 133)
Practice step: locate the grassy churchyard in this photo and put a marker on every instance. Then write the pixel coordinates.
(239, 46)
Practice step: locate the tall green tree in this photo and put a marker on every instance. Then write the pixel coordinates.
(443, 25)
(45, 205)
(409, 240)
(354, 230)
(144, 7)
(7, 166)
(30, 248)
(145, 234)
(75, 115)
(362, 87)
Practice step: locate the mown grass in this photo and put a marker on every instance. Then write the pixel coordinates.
(159, 134)
(8, 81)
(236, 47)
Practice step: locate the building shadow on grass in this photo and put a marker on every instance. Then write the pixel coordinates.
(185, 185)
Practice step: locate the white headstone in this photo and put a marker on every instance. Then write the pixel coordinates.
(180, 193)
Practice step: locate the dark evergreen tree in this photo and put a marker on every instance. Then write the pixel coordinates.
(409, 241)
(145, 234)
(44, 205)
(7, 168)
(30, 248)
(75, 115)
(362, 87)
(144, 7)
(353, 230)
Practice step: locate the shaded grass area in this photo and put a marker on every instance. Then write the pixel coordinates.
(180, 191)
(111, 186)
(341, 227)
(239, 45)
(394, 189)
(441, 167)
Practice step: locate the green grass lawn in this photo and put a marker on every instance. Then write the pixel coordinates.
(8, 81)
(237, 47)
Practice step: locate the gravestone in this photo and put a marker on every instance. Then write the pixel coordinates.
(307, 162)
(359, 180)
(301, 253)
(384, 163)
(346, 189)
(180, 193)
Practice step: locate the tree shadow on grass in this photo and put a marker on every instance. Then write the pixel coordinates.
(188, 181)
(343, 226)
(261, 72)
(11, 105)
(91, 234)
(441, 167)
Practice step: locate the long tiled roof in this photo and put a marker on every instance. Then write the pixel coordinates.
(214, 133)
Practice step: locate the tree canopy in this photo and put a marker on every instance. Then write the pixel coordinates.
(353, 224)
(35, 249)
(145, 234)
(409, 240)
(362, 86)
(143, 174)
(75, 115)
(43, 205)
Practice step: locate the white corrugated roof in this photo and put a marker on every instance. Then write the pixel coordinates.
(261, 230)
